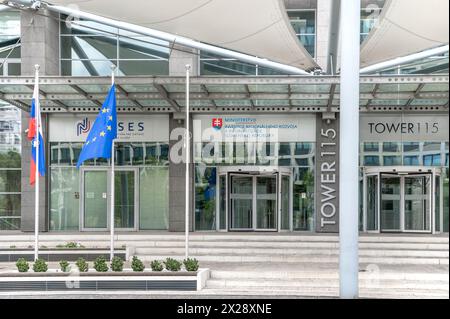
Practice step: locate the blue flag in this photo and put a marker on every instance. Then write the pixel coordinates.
(99, 141)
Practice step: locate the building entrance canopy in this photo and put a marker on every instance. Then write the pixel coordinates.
(228, 94)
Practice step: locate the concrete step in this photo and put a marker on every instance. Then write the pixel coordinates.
(331, 293)
(198, 251)
(324, 274)
(302, 259)
(324, 283)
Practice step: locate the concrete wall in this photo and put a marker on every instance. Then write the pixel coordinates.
(40, 41)
(177, 171)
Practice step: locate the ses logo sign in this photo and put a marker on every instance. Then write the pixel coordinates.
(124, 129)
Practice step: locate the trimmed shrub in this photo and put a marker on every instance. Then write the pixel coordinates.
(191, 264)
(64, 265)
(40, 266)
(117, 264)
(100, 264)
(82, 265)
(172, 264)
(156, 265)
(137, 264)
(22, 265)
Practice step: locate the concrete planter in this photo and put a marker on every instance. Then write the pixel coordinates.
(94, 281)
(58, 254)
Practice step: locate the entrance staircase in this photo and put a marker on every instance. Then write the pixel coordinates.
(287, 264)
(307, 266)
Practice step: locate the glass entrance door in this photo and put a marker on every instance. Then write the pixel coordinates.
(95, 195)
(125, 199)
(96, 199)
(417, 203)
(241, 198)
(401, 201)
(266, 202)
(391, 203)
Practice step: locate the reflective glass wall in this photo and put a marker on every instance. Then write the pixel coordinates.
(149, 159)
(299, 157)
(89, 48)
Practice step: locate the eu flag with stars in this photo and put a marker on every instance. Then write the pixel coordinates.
(99, 141)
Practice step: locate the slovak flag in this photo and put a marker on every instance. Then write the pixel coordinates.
(35, 121)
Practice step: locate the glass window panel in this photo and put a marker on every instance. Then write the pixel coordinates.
(391, 147)
(411, 147)
(124, 206)
(143, 48)
(10, 223)
(64, 199)
(392, 160)
(95, 200)
(411, 160)
(154, 198)
(226, 67)
(10, 205)
(205, 198)
(150, 67)
(371, 161)
(303, 199)
(371, 147)
(10, 181)
(86, 68)
(10, 159)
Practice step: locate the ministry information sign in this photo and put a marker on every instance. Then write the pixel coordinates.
(247, 128)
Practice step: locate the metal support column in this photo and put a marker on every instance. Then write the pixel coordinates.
(349, 149)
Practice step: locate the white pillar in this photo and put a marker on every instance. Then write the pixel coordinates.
(188, 160)
(349, 149)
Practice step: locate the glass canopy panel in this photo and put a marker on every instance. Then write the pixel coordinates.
(388, 102)
(364, 88)
(321, 88)
(225, 103)
(426, 102)
(398, 87)
(226, 88)
(281, 88)
(309, 102)
(139, 88)
(271, 102)
(15, 89)
(435, 88)
(125, 103)
(79, 103)
(196, 103)
(55, 89)
(95, 88)
(181, 88)
(150, 103)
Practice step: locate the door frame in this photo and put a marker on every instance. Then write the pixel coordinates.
(230, 212)
(83, 171)
(107, 169)
(401, 172)
(253, 171)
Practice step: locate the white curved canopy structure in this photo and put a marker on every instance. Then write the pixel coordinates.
(406, 27)
(232, 24)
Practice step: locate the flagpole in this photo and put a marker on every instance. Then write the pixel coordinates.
(188, 157)
(113, 68)
(37, 119)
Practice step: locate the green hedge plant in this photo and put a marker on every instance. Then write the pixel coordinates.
(40, 265)
(191, 264)
(156, 265)
(100, 264)
(82, 265)
(64, 265)
(137, 265)
(22, 265)
(117, 264)
(173, 264)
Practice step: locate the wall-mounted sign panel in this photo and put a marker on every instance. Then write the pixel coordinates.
(401, 127)
(130, 128)
(255, 128)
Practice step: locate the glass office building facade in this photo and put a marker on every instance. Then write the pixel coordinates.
(239, 185)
